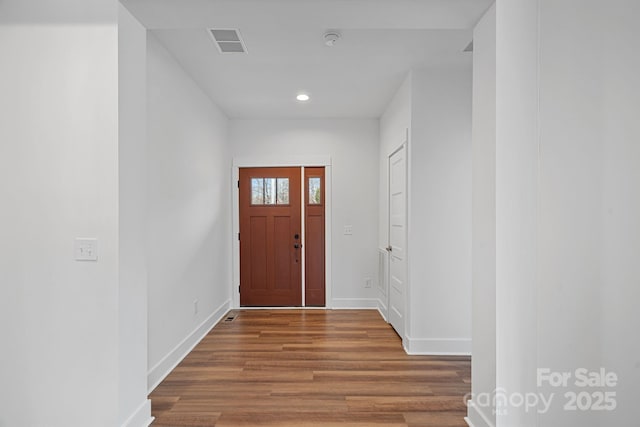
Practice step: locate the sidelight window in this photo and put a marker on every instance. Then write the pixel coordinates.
(315, 191)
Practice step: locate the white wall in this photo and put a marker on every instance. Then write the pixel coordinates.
(484, 219)
(58, 181)
(619, 290)
(134, 408)
(440, 212)
(395, 122)
(189, 225)
(353, 147)
(570, 195)
(589, 190)
(516, 203)
(434, 105)
(568, 187)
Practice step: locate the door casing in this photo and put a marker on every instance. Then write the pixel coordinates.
(293, 161)
(401, 328)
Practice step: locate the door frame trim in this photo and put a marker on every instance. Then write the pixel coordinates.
(279, 161)
(407, 291)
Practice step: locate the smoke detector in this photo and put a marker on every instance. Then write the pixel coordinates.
(331, 37)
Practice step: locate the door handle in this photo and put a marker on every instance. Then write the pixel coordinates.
(297, 246)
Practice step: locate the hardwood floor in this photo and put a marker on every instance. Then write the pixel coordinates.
(311, 368)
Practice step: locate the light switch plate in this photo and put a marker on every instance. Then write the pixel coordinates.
(86, 249)
(348, 230)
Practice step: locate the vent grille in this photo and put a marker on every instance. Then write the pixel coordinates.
(231, 317)
(228, 40)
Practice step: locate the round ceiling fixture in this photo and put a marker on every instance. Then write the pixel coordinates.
(302, 97)
(331, 37)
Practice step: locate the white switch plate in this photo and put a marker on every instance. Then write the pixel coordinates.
(348, 230)
(86, 249)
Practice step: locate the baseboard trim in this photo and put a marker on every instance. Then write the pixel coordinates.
(382, 315)
(168, 363)
(382, 309)
(475, 417)
(141, 417)
(354, 303)
(438, 347)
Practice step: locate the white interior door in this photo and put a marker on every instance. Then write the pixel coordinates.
(397, 238)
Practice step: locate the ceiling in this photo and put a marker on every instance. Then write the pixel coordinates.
(381, 41)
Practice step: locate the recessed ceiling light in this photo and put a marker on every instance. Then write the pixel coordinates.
(302, 97)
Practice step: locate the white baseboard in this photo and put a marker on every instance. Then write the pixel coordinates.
(382, 314)
(438, 347)
(354, 303)
(383, 310)
(168, 363)
(475, 417)
(141, 417)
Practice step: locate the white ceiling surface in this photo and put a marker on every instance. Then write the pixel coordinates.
(381, 41)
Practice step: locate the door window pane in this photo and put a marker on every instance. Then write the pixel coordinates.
(283, 191)
(315, 192)
(257, 191)
(269, 191)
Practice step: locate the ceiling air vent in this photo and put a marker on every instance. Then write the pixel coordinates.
(228, 40)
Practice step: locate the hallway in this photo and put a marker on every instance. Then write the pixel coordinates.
(310, 368)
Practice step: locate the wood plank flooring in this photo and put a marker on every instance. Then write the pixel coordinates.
(309, 369)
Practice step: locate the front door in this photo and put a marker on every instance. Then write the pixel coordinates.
(270, 237)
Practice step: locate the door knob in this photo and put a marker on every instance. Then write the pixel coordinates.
(389, 248)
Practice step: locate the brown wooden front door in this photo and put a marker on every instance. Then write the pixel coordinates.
(270, 237)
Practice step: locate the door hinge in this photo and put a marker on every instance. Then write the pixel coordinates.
(238, 289)
(238, 236)
(238, 183)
